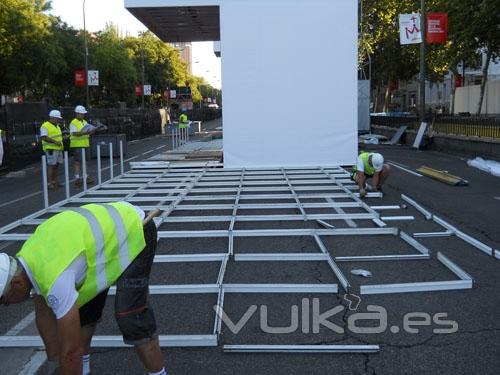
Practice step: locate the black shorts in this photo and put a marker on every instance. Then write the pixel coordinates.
(126, 298)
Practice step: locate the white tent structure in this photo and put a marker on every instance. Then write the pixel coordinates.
(289, 72)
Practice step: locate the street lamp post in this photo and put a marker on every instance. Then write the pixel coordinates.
(422, 61)
(87, 95)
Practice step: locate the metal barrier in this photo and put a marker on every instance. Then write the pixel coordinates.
(482, 127)
(67, 180)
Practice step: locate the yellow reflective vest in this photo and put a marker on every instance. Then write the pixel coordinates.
(55, 133)
(110, 236)
(183, 121)
(365, 157)
(82, 140)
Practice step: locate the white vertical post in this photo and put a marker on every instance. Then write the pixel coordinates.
(111, 160)
(173, 138)
(66, 174)
(99, 177)
(84, 169)
(122, 167)
(44, 182)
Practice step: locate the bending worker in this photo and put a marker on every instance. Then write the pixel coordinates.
(52, 144)
(79, 142)
(70, 274)
(370, 165)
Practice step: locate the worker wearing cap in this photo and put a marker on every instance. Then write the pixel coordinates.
(79, 142)
(70, 274)
(52, 144)
(370, 165)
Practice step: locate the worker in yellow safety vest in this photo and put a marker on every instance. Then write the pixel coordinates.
(79, 142)
(370, 165)
(183, 120)
(98, 245)
(52, 144)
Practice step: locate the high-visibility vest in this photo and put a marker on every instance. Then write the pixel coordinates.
(55, 133)
(82, 140)
(183, 121)
(110, 236)
(369, 170)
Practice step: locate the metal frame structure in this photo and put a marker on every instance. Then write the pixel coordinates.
(235, 193)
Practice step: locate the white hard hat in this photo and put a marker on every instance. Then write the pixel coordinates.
(80, 109)
(377, 161)
(55, 114)
(8, 267)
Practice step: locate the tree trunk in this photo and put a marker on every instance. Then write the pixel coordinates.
(484, 80)
(376, 100)
(453, 91)
(387, 97)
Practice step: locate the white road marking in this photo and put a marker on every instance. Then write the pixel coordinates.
(158, 148)
(22, 324)
(404, 169)
(36, 361)
(132, 158)
(497, 198)
(148, 152)
(20, 199)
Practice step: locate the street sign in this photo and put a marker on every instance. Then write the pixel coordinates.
(93, 76)
(409, 29)
(173, 94)
(147, 90)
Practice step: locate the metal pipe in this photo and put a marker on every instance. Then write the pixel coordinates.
(122, 166)
(66, 174)
(99, 172)
(422, 61)
(84, 170)
(111, 174)
(44, 182)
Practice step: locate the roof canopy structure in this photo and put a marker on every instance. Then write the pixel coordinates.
(182, 23)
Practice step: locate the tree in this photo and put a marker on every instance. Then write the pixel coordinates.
(480, 33)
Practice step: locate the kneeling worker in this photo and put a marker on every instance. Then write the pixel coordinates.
(370, 165)
(100, 245)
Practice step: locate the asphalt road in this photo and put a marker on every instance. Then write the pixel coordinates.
(473, 348)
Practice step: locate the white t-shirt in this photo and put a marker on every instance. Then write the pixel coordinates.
(44, 132)
(63, 294)
(360, 166)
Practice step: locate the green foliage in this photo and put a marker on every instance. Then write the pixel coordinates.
(39, 55)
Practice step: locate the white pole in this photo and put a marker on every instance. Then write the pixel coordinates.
(84, 169)
(66, 173)
(44, 182)
(99, 177)
(111, 160)
(172, 134)
(122, 167)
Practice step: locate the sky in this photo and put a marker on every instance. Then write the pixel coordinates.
(99, 12)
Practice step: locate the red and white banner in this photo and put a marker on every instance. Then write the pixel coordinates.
(437, 28)
(80, 78)
(409, 29)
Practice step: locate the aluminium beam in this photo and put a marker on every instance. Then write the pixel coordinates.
(334, 267)
(253, 218)
(285, 257)
(446, 233)
(397, 218)
(422, 210)
(280, 288)
(189, 258)
(414, 243)
(301, 349)
(178, 289)
(166, 341)
(453, 267)
(415, 287)
(372, 258)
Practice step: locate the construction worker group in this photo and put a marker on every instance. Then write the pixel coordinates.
(53, 146)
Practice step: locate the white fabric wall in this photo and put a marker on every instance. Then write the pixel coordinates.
(467, 98)
(289, 82)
